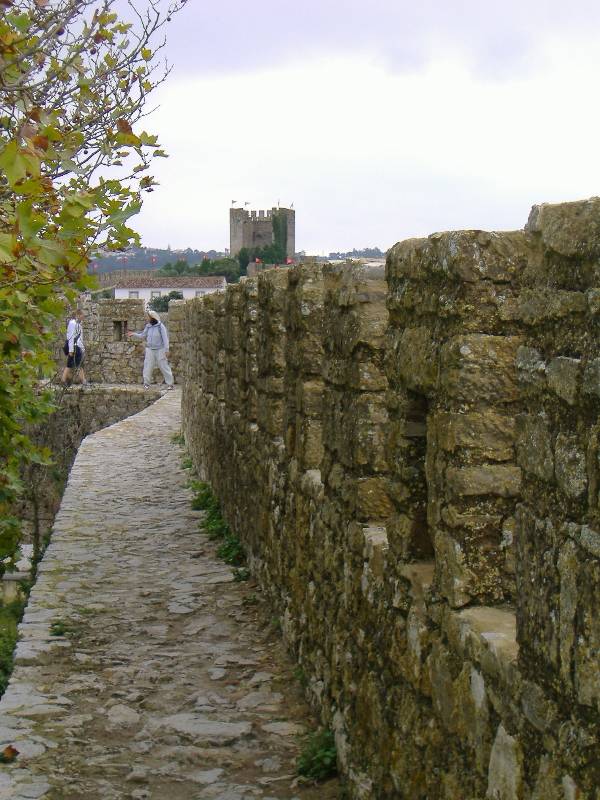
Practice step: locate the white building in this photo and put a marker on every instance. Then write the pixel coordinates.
(145, 288)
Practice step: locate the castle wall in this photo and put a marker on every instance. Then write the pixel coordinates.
(558, 530)
(410, 459)
(258, 232)
(236, 230)
(291, 233)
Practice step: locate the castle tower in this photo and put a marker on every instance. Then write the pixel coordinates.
(254, 229)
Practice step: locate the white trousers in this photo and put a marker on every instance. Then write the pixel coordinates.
(154, 359)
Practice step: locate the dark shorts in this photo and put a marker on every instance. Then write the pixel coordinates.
(76, 359)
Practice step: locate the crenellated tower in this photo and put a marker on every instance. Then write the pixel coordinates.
(260, 228)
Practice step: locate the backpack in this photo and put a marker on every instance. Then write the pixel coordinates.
(66, 344)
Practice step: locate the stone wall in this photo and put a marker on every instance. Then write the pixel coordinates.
(79, 412)
(412, 461)
(558, 530)
(111, 356)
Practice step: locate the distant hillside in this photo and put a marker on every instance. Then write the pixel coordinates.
(149, 258)
(140, 258)
(366, 252)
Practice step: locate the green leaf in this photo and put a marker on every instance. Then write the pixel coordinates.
(22, 22)
(147, 139)
(13, 163)
(118, 217)
(30, 224)
(7, 243)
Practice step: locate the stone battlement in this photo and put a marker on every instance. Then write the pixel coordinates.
(411, 458)
(242, 213)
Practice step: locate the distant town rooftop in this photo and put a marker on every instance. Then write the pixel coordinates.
(165, 281)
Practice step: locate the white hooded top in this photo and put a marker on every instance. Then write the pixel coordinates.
(75, 335)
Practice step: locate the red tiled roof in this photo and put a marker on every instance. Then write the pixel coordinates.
(178, 282)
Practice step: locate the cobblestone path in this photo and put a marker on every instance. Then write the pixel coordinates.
(165, 683)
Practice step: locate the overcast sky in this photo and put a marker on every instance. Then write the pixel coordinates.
(378, 120)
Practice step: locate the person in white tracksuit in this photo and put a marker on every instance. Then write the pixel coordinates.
(157, 349)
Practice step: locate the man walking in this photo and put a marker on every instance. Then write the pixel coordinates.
(74, 350)
(157, 349)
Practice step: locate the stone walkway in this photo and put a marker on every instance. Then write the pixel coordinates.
(165, 682)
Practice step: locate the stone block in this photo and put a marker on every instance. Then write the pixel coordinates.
(536, 545)
(591, 378)
(411, 644)
(545, 305)
(570, 468)
(538, 709)
(270, 416)
(568, 570)
(534, 446)
(468, 256)
(507, 544)
(499, 480)
(569, 229)
(479, 367)
(442, 685)
(505, 774)
(547, 784)
(367, 375)
(593, 299)
(490, 434)
(415, 359)
(309, 449)
(472, 714)
(587, 639)
(563, 378)
(588, 539)
(454, 576)
(375, 552)
(373, 498)
(309, 397)
(470, 519)
(367, 423)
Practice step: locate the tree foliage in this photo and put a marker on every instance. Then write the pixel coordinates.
(244, 257)
(268, 254)
(366, 252)
(180, 267)
(228, 267)
(162, 303)
(74, 78)
(280, 223)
